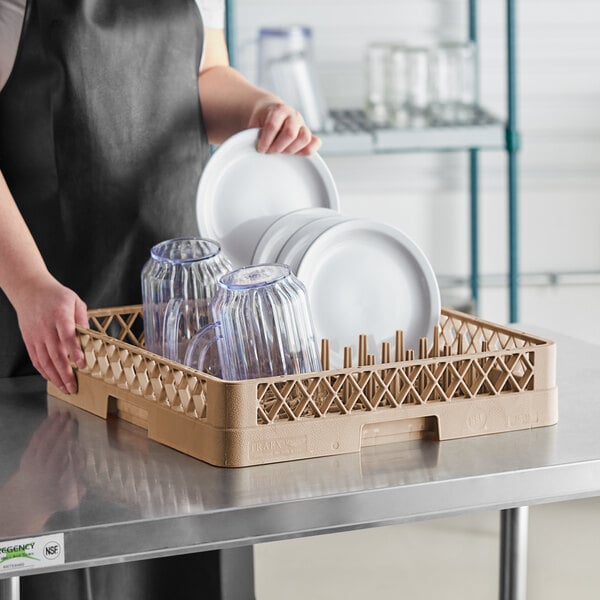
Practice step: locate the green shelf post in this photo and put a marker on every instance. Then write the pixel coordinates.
(512, 148)
(474, 176)
(230, 31)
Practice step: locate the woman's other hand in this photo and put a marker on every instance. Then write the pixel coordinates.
(282, 129)
(47, 313)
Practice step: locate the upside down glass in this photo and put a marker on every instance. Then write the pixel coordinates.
(417, 84)
(178, 282)
(397, 89)
(287, 68)
(377, 76)
(454, 82)
(262, 326)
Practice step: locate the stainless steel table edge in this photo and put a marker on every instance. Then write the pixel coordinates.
(93, 546)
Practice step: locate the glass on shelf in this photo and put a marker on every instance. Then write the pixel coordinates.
(286, 67)
(377, 75)
(422, 86)
(453, 83)
(398, 92)
(397, 96)
(417, 82)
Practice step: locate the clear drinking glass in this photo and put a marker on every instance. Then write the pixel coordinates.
(262, 326)
(286, 67)
(178, 282)
(417, 83)
(377, 79)
(454, 82)
(397, 86)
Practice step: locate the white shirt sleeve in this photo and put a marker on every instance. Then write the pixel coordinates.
(11, 20)
(213, 13)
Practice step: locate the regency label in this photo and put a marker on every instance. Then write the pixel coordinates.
(32, 553)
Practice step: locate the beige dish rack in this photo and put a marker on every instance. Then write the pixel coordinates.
(476, 378)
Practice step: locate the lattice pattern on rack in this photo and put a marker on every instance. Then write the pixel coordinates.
(381, 387)
(455, 332)
(138, 371)
(467, 359)
(466, 362)
(471, 361)
(126, 325)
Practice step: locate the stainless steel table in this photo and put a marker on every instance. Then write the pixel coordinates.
(118, 497)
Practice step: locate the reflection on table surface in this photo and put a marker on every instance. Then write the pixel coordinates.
(68, 469)
(49, 478)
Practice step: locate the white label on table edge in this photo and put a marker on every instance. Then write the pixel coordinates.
(32, 552)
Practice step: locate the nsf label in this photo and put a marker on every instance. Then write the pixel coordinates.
(32, 553)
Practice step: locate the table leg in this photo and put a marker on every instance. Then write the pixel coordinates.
(10, 589)
(513, 553)
(235, 567)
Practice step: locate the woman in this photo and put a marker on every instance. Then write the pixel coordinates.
(102, 143)
(106, 111)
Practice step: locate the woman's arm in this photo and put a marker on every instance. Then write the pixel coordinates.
(47, 311)
(231, 103)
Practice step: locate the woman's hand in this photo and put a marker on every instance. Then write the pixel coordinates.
(47, 313)
(282, 129)
(231, 103)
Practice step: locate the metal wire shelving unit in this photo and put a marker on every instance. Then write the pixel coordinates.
(353, 134)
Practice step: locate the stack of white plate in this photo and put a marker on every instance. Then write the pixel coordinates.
(241, 193)
(287, 237)
(362, 277)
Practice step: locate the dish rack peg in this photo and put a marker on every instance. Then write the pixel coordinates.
(371, 386)
(347, 357)
(362, 350)
(347, 365)
(399, 346)
(446, 351)
(385, 352)
(435, 350)
(325, 357)
(460, 344)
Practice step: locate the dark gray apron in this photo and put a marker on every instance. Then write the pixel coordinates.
(101, 142)
(102, 145)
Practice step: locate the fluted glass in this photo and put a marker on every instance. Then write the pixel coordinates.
(179, 280)
(262, 326)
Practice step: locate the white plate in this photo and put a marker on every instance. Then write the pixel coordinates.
(241, 192)
(369, 278)
(270, 244)
(297, 244)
